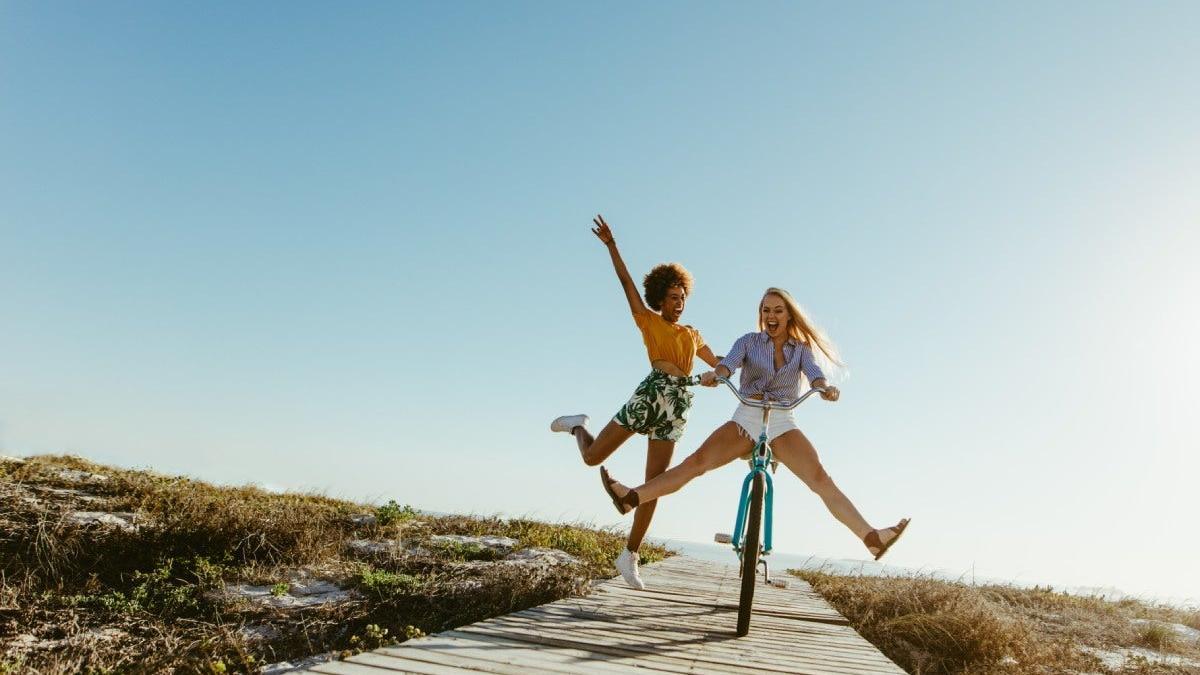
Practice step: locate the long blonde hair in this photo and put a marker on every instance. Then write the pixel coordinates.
(799, 326)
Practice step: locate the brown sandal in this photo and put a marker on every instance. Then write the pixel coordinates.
(622, 505)
(872, 539)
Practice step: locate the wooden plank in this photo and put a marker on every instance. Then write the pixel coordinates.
(684, 623)
(417, 659)
(695, 646)
(798, 602)
(707, 624)
(772, 643)
(641, 653)
(509, 657)
(857, 644)
(348, 668)
(807, 610)
(587, 654)
(635, 605)
(720, 645)
(518, 655)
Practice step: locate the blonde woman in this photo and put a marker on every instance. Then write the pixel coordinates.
(659, 405)
(773, 361)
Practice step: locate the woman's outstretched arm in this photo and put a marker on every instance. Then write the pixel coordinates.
(727, 364)
(706, 355)
(631, 293)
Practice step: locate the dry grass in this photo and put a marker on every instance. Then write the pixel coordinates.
(598, 548)
(77, 598)
(930, 626)
(1157, 636)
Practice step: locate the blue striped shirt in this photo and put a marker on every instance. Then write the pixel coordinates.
(755, 355)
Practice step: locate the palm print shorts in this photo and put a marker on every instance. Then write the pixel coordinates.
(658, 407)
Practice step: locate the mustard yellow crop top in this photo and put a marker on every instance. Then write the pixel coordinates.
(669, 341)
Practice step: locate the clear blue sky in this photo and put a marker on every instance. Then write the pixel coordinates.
(346, 249)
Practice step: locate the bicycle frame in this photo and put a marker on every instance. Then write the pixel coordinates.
(760, 458)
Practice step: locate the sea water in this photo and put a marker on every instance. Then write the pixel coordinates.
(779, 562)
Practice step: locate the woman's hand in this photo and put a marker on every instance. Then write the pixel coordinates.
(831, 393)
(709, 379)
(636, 306)
(601, 230)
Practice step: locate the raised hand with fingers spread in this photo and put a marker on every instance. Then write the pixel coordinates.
(602, 230)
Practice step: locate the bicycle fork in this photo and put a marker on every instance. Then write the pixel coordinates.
(744, 505)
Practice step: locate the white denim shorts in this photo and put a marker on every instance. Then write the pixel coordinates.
(750, 420)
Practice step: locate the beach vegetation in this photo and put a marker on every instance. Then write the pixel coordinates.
(392, 512)
(934, 627)
(104, 569)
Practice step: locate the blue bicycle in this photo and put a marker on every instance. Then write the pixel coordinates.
(757, 490)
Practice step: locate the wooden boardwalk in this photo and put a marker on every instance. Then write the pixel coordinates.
(685, 624)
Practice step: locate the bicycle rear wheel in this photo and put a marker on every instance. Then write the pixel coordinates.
(750, 548)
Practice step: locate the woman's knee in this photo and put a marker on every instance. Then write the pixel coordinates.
(606, 443)
(596, 453)
(819, 480)
(696, 464)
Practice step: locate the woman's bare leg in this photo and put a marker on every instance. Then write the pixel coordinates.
(721, 447)
(596, 450)
(658, 458)
(799, 455)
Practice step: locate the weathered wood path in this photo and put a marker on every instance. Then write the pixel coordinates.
(685, 624)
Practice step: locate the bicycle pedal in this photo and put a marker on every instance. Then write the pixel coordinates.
(722, 538)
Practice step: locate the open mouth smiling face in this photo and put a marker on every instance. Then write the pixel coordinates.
(774, 316)
(673, 303)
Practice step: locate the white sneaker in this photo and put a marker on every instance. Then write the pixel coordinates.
(567, 423)
(627, 565)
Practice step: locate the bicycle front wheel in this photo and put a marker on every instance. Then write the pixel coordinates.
(750, 553)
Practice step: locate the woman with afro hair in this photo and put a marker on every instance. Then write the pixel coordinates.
(659, 405)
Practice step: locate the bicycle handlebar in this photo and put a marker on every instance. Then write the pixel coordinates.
(769, 405)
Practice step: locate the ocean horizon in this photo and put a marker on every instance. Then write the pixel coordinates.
(780, 561)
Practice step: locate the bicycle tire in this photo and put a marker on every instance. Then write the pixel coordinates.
(750, 554)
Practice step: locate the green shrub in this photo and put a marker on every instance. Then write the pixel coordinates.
(161, 592)
(114, 602)
(392, 512)
(372, 637)
(175, 588)
(172, 589)
(385, 584)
